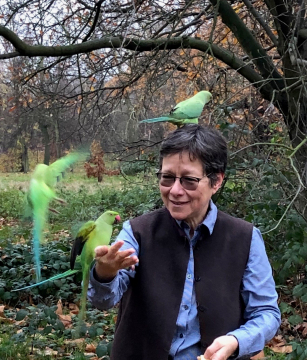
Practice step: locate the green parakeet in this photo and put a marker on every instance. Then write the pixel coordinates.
(41, 193)
(185, 112)
(89, 236)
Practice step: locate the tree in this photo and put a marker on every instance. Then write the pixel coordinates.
(264, 41)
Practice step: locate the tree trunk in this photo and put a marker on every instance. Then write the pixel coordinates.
(57, 138)
(46, 141)
(24, 157)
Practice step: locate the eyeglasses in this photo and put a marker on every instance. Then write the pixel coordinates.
(187, 182)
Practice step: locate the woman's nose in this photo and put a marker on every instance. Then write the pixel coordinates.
(177, 187)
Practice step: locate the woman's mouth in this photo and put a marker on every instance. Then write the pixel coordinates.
(178, 203)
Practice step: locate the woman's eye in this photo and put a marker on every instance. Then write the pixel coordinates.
(191, 180)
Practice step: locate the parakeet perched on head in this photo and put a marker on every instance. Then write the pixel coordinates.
(185, 112)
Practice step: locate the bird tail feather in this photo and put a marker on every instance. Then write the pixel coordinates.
(36, 250)
(159, 119)
(55, 277)
(85, 282)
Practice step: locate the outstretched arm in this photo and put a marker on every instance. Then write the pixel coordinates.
(109, 278)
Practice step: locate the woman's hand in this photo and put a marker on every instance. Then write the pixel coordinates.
(109, 260)
(221, 348)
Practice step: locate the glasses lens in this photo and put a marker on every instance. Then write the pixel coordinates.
(166, 180)
(189, 183)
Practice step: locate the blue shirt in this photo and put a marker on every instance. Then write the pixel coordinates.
(258, 292)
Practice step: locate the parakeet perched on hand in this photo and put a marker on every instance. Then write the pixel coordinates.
(41, 193)
(185, 112)
(89, 236)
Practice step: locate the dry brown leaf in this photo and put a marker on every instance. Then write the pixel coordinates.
(258, 356)
(286, 349)
(2, 307)
(74, 309)
(90, 348)
(21, 322)
(279, 345)
(66, 320)
(74, 342)
(4, 320)
(46, 352)
(59, 310)
(88, 354)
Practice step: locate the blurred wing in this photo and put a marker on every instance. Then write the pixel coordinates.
(81, 238)
(39, 197)
(56, 170)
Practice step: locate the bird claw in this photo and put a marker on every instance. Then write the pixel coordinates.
(54, 211)
(63, 202)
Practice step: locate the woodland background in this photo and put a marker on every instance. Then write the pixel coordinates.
(74, 72)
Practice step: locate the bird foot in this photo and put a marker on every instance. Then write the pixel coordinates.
(54, 211)
(63, 202)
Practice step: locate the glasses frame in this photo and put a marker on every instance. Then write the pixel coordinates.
(159, 173)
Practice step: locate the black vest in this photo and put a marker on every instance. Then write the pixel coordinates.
(149, 308)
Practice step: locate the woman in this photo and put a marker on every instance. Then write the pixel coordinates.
(199, 281)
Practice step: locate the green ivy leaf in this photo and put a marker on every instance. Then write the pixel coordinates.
(21, 314)
(101, 350)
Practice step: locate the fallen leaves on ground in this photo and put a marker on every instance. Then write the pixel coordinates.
(279, 345)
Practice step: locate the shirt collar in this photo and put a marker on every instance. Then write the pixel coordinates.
(209, 220)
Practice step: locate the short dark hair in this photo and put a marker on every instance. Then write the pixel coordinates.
(201, 142)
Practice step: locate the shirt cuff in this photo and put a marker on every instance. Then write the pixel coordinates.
(94, 279)
(244, 340)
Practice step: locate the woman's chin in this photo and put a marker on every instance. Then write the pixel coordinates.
(177, 214)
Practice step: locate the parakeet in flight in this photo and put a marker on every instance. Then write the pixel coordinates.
(41, 193)
(185, 112)
(89, 236)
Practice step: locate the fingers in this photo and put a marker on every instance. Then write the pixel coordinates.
(112, 252)
(110, 259)
(221, 348)
(101, 251)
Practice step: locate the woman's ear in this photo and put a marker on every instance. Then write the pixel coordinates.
(219, 181)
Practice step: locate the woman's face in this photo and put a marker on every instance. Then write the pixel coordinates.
(188, 205)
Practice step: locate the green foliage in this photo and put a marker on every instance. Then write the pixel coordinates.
(259, 189)
(39, 327)
(17, 270)
(134, 167)
(11, 203)
(145, 163)
(299, 350)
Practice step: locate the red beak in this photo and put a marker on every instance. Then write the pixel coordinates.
(117, 218)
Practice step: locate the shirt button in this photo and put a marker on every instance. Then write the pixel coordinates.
(197, 278)
(185, 307)
(181, 335)
(201, 308)
(189, 276)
